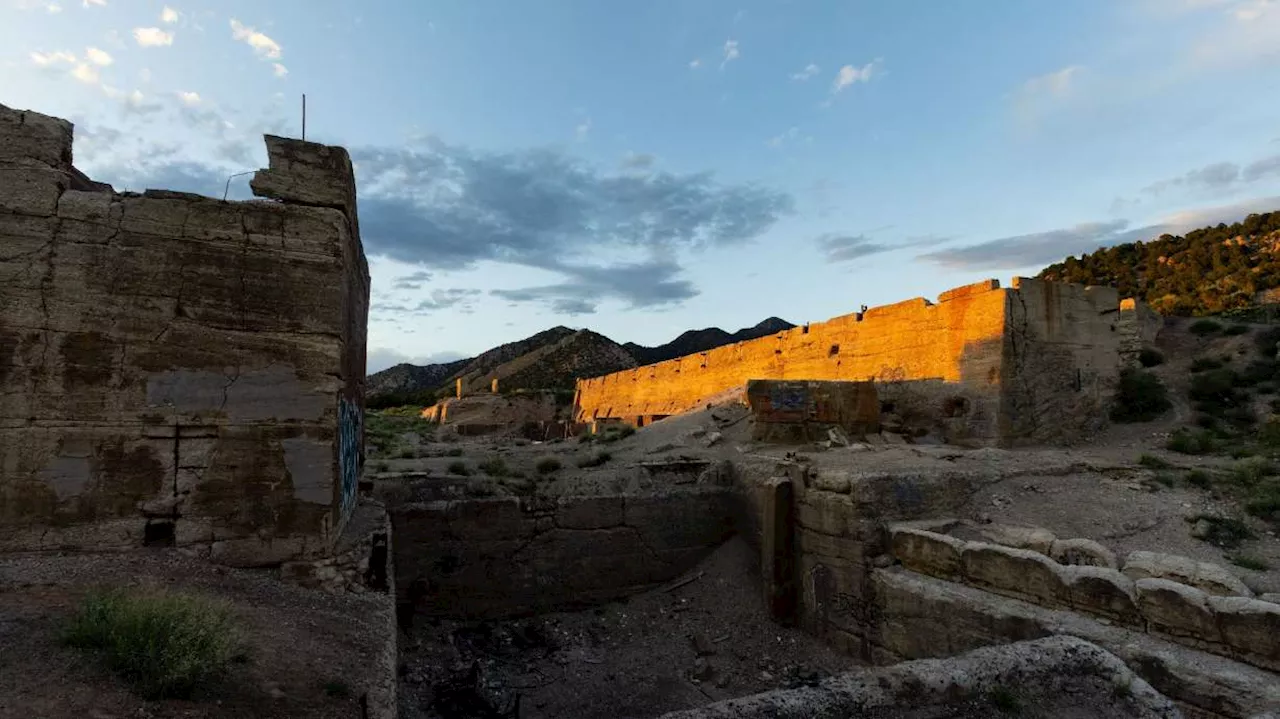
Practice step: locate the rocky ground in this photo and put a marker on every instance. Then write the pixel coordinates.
(699, 639)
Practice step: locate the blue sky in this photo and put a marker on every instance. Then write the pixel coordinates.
(643, 168)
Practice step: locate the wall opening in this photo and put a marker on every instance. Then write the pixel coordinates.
(158, 534)
(835, 350)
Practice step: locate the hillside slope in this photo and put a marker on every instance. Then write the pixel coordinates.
(551, 365)
(1207, 271)
(702, 340)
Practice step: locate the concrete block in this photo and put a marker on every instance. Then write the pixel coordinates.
(1019, 572)
(1033, 538)
(1177, 609)
(1250, 627)
(1100, 590)
(929, 553)
(1211, 578)
(1083, 552)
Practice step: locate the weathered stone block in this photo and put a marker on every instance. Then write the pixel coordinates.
(1020, 572)
(1250, 627)
(29, 137)
(589, 512)
(1084, 552)
(1099, 590)
(1032, 538)
(1177, 609)
(1211, 578)
(929, 553)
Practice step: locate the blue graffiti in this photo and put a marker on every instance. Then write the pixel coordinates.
(350, 430)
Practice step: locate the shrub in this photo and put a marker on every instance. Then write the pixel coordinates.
(1249, 472)
(1263, 501)
(459, 468)
(163, 644)
(1257, 565)
(381, 467)
(1226, 532)
(1149, 357)
(1140, 397)
(1202, 364)
(1215, 388)
(1199, 478)
(1267, 341)
(1165, 478)
(453, 452)
(407, 453)
(1203, 328)
(1235, 330)
(595, 460)
(1188, 442)
(1153, 462)
(613, 434)
(547, 465)
(495, 467)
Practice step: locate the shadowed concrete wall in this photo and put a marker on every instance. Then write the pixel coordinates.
(176, 369)
(979, 365)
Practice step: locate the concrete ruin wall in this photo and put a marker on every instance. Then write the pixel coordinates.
(980, 364)
(513, 556)
(176, 369)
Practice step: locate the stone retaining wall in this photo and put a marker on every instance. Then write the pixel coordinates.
(511, 556)
(1219, 615)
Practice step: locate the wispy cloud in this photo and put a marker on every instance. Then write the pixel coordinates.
(279, 70)
(262, 45)
(99, 3)
(1042, 248)
(86, 73)
(850, 75)
(98, 57)
(43, 59)
(190, 99)
(838, 247)
(582, 130)
(1041, 93)
(807, 73)
(1056, 83)
(168, 15)
(152, 37)
(695, 63)
(731, 52)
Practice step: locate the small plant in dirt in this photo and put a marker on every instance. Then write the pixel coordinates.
(1236, 330)
(548, 465)
(1199, 478)
(459, 468)
(1151, 461)
(453, 452)
(1225, 532)
(1204, 364)
(407, 453)
(1165, 479)
(381, 467)
(163, 644)
(595, 460)
(495, 467)
(479, 488)
(1150, 357)
(1267, 342)
(1252, 471)
(1263, 501)
(1140, 397)
(1204, 328)
(1185, 441)
(1254, 563)
(614, 434)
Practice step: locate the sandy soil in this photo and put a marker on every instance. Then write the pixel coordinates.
(295, 641)
(678, 647)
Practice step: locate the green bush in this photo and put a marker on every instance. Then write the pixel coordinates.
(613, 434)
(453, 452)
(1187, 442)
(1203, 364)
(1254, 563)
(595, 460)
(547, 465)
(1199, 478)
(163, 644)
(1225, 532)
(1149, 357)
(495, 467)
(1214, 389)
(1250, 472)
(1235, 330)
(459, 468)
(1263, 501)
(1204, 328)
(1140, 397)
(1267, 341)
(1151, 461)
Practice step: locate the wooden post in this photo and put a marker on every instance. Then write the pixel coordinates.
(777, 549)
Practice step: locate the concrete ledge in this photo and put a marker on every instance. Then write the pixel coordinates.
(937, 555)
(1019, 572)
(1177, 610)
(1211, 578)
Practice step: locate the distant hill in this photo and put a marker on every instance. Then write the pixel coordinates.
(1204, 272)
(551, 359)
(702, 340)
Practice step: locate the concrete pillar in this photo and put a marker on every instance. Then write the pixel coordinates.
(493, 386)
(777, 549)
(457, 388)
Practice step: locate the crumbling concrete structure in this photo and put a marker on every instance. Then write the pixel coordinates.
(984, 364)
(178, 370)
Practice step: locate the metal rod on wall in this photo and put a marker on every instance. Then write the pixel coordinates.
(304, 116)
